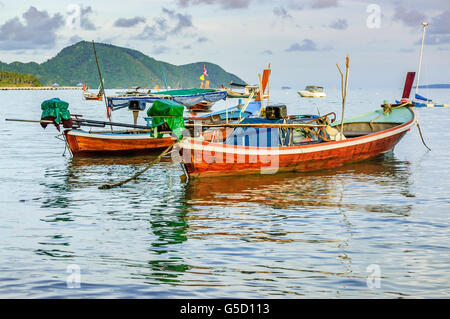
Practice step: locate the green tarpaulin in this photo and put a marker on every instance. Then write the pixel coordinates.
(55, 108)
(170, 112)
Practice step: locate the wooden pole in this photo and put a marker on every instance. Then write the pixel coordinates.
(424, 24)
(101, 80)
(344, 90)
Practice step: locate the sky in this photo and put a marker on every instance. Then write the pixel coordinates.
(301, 40)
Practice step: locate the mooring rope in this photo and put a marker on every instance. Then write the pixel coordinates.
(109, 186)
(420, 132)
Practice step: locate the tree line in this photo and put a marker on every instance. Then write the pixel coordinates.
(18, 79)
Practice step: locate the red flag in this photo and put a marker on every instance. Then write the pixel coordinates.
(204, 71)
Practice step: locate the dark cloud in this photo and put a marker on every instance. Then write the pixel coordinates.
(171, 23)
(320, 4)
(202, 39)
(339, 24)
(152, 32)
(38, 31)
(225, 4)
(128, 23)
(187, 47)
(439, 29)
(281, 12)
(85, 20)
(409, 17)
(182, 20)
(307, 45)
(441, 23)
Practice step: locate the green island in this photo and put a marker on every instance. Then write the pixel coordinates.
(120, 67)
(13, 79)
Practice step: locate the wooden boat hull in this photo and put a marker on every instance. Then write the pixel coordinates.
(203, 106)
(213, 159)
(83, 143)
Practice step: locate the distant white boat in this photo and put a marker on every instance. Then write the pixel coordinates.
(312, 91)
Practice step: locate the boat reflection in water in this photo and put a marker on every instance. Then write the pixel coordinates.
(164, 233)
(326, 188)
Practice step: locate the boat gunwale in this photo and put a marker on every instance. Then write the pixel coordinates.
(115, 136)
(195, 144)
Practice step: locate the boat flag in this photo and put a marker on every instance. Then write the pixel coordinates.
(202, 77)
(408, 85)
(204, 71)
(109, 108)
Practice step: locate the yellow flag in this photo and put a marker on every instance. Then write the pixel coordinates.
(202, 78)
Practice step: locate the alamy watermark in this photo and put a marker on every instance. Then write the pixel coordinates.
(373, 21)
(74, 278)
(374, 279)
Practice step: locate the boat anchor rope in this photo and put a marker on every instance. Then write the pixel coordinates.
(421, 136)
(157, 160)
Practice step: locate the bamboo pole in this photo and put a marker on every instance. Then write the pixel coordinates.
(101, 81)
(344, 90)
(31, 121)
(424, 24)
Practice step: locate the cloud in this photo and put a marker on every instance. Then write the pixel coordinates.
(171, 23)
(85, 20)
(339, 24)
(295, 5)
(160, 49)
(128, 23)
(307, 45)
(37, 31)
(410, 18)
(281, 12)
(441, 23)
(438, 30)
(75, 39)
(225, 4)
(183, 21)
(268, 52)
(320, 4)
(202, 39)
(434, 39)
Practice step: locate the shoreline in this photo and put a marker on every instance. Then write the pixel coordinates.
(44, 88)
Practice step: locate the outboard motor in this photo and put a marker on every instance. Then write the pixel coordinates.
(276, 112)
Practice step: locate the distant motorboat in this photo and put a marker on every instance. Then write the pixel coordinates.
(312, 91)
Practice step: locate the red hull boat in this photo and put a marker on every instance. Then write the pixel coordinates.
(367, 136)
(83, 143)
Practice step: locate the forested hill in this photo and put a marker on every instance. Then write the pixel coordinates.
(120, 67)
(8, 79)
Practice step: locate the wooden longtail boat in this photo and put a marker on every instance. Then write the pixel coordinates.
(93, 97)
(268, 148)
(85, 143)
